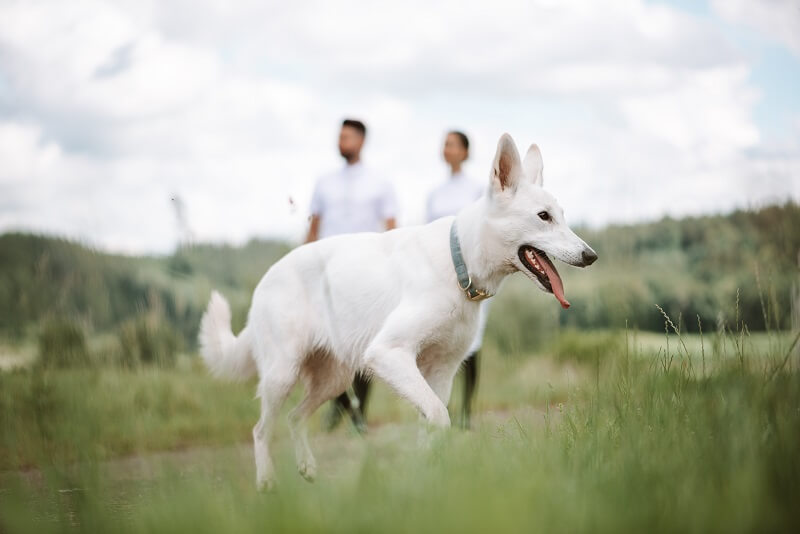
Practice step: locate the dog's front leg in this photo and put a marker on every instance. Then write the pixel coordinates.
(398, 368)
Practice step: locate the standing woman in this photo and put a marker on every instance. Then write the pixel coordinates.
(448, 199)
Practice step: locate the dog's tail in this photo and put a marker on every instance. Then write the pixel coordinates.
(225, 355)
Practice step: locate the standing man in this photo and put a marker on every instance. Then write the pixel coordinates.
(352, 199)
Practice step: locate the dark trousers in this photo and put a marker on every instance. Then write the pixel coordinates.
(357, 413)
(361, 385)
(470, 387)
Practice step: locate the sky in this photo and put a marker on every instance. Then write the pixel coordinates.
(108, 110)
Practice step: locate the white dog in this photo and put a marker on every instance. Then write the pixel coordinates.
(401, 305)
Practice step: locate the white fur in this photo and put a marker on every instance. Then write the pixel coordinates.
(387, 304)
(225, 355)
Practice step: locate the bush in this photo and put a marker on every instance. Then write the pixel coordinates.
(147, 340)
(62, 343)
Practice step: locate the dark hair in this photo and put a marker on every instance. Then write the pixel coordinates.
(461, 137)
(357, 125)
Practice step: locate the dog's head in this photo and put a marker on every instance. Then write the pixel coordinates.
(527, 222)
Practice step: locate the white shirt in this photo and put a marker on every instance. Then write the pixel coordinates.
(448, 199)
(452, 195)
(353, 199)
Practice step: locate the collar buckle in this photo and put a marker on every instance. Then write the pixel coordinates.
(474, 294)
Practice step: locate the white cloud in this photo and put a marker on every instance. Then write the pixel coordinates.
(23, 153)
(778, 20)
(106, 110)
(706, 116)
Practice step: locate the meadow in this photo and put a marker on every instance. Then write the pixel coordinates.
(615, 437)
(679, 418)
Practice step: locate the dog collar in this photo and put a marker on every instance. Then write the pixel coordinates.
(464, 279)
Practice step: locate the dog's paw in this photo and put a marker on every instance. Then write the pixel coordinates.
(307, 469)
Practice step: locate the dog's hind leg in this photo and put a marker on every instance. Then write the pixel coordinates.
(273, 388)
(324, 379)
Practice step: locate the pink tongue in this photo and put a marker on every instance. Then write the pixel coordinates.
(555, 282)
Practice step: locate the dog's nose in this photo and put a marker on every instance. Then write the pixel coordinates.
(589, 257)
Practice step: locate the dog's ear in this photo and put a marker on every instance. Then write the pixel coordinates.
(507, 167)
(533, 165)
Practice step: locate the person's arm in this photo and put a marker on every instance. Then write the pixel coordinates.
(313, 229)
(317, 209)
(389, 207)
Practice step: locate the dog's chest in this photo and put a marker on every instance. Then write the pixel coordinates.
(451, 335)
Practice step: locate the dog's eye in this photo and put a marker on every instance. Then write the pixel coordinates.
(543, 215)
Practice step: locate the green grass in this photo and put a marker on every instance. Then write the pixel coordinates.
(122, 412)
(107, 425)
(61, 416)
(588, 435)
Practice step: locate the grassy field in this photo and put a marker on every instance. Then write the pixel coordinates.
(108, 423)
(597, 431)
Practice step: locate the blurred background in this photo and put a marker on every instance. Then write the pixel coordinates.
(186, 137)
(152, 151)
